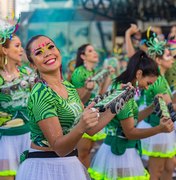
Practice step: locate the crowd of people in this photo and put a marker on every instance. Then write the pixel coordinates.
(49, 125)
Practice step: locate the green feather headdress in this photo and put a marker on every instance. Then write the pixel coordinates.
(6, 30)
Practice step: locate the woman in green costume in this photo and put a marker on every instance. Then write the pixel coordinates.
(171, 73)
(57, 119)
(15, 85)
(118, 156)
(160, 148)
(86, 60)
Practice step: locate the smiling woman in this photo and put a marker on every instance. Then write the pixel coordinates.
(45, 48)
(57, 119)
(15, 85)
(118, 156)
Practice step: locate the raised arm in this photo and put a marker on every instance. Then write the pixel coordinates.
(129, 45)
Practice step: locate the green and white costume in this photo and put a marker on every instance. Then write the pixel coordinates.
(13, 101)
(79, 76)
(118, 157)
(171, 77)
(45, 103)
(162, 144)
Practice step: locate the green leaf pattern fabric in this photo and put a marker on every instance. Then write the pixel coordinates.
(80, 75)
(45, 103)
(160, 86)
(14, 95)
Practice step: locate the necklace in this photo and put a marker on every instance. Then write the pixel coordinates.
(10, 76)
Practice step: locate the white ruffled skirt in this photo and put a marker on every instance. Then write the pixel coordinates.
(160, 145)
(61, 168)
(11, 147)
(108, 166)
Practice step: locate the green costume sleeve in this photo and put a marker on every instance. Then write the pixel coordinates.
(78, 78)
(159, 87)
(41, 104)
(127, 111)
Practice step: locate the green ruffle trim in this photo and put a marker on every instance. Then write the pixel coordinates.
(159, 154)
(97, 137)
(7, 173)
(98, 176)
(14, 131)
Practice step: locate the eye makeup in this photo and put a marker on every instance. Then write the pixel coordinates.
(17, 45)
(41, 45)
(41, 48)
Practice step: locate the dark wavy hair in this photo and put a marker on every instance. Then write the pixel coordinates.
(139, 61)
(81, 50)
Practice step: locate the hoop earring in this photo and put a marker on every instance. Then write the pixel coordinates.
(137, 88)
(5, 60)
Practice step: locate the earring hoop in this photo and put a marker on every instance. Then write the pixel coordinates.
(5, 60)
(137, 88)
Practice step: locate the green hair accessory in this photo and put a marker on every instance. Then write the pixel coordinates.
(6, 31)
(155, 47)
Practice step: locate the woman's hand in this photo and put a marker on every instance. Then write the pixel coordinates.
(89, 118)
(132, 30)
(166, 125)
(111, 69)
(165, 97)
(89, 85)
(128, 85)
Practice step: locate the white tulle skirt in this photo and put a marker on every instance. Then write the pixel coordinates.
(108, 166)
(160, 145)
(61, 168)
(11, 147)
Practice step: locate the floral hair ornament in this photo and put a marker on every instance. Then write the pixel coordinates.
(155, 47)
(7, 30)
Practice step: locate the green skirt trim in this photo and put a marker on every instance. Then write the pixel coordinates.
(159, 154)
(98, 176)
(14, 131)
(97, 137)
(7, 173)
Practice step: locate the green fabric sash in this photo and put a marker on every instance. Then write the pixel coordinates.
(119, 145)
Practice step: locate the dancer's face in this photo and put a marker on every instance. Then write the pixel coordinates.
(145, 81)
(167, 60)
(14, 51)
(45, 55)
(90, 55)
